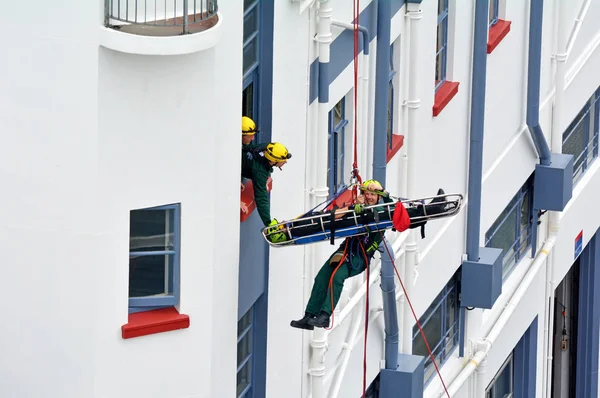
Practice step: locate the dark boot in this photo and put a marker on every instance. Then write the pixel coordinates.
(303, 323)
(321, 321)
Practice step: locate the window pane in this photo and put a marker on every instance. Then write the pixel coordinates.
(439, 67)
(338, 113)
(248, 101)
(151, 275)
(245, 321)
(151, 230)
(243, 378)
(250, 24)
(244, 348)
(440, 37)
(441, 6)
(250, 55)
(432, 330)
(503, 383)
(575, 145)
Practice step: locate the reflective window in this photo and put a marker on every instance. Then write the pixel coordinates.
(337, 131)
(244, 354)
(502, 385)
(442, 43)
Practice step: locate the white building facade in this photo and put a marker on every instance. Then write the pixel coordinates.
(121, 169)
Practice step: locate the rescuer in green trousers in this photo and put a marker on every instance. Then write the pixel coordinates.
(257, 165)
(353, 262)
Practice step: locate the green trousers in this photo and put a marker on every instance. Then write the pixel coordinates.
(320, 296)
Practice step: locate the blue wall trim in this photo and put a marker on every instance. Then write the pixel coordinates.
(536, 13)
(323, 83)
(382, 78)
(588, 325)
(342, 48)
(525, 361)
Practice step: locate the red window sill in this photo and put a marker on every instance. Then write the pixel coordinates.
(247, 199)
(497, 33)
(443, 95)
(155, 321)
(397, 142)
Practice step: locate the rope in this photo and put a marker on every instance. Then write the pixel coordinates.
(415, 315)
(355, 173)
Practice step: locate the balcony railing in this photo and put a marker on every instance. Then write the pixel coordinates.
(160, 17)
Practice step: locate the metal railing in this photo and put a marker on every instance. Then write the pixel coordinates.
(182, 14)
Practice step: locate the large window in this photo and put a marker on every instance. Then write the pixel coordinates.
(440, 325)
(493, 12)
(581, 137)
(502, 384)
(337, 130)
(441, 55)
(390, 125)
(154, 258)
(250, 94)
(244, 355)
(511, 231)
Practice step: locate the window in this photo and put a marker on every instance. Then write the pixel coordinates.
(337, 128)
(440, 325)
(493, 12)
(154, 258)
(581, 137)
(250, 94)
(390, 126)
(441, 55)
(511, 231)
(502, 384)
(373, 390)
(244, 355)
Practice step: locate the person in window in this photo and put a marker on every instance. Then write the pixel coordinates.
(257, 165)
(350, 259)
(249, 131)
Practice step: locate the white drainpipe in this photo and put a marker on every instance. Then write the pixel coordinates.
(554, 218)
(577, 26)
(321, 192)
(413, 104)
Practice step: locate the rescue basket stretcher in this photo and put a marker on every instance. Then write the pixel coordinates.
(345, 223)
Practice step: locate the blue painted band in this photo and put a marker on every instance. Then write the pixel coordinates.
(477, 125)
(524, 358)
(534, 63)
(342, 48)
(390, 314)
(323, 82)
(382, 73)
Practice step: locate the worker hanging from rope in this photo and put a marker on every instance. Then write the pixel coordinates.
(350, 259)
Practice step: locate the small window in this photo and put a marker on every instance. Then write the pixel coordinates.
(441, 54)
(502, 384)
(493, 12)
(373, 390)
(154, 258)
(390, 125)
(244, 355)
(337, 130)
(440, 325)
(511, 231)
(581, 137)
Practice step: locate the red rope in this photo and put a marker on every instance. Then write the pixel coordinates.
(356, 15)
(415, 316)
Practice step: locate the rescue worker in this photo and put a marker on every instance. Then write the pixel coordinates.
(249, 131)
(350, 259)
(257, 165)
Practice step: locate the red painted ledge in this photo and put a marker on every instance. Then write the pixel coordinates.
(397, 142)
(443, 95)
(247, 198)
(155, 321)
(497, 33)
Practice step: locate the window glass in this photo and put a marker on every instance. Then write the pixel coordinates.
(244, 354)
(150, 275)
(151, 230)
(502, 384)
(250, 55)
(250, 24)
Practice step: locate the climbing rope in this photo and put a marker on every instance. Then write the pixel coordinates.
(355, 172)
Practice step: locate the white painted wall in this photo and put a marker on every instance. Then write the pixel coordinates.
(91, 134)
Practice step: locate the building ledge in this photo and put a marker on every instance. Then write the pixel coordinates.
(161, 40)
(155, 321)
(397, 142)
(497, 33)
(443, 95)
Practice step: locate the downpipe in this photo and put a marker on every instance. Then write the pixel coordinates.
(411, 257)
(390, 313)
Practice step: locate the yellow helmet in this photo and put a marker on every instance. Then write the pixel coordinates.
(276, 152)
(248, 126)
(373, 184)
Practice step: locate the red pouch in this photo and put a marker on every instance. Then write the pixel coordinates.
(401, 218)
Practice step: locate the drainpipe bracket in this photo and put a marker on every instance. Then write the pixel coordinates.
(413, 11)
(561, 57)
(323, 38)
(412, 104)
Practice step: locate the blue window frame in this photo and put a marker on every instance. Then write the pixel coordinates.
(502, 384)
(440, 325)
(581, 137)
(441, 54)
(251, 62)
(245, 358)
(511, 231)
(493, 12)
(154, 238)
(337, 129)
(390, 126)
